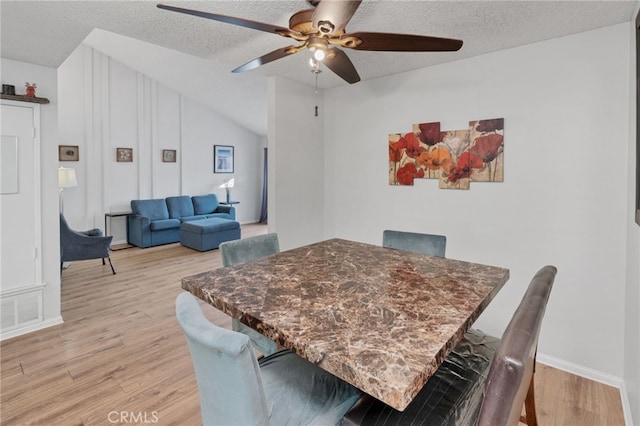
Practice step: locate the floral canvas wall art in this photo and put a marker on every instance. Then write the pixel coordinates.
(454, 157)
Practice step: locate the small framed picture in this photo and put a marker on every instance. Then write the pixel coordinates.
(124, 155)
(169, 155)
(68, 153)
(222, 159)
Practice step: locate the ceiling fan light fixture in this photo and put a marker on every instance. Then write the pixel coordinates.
(318, 48)
(315, 66)
(319, 55)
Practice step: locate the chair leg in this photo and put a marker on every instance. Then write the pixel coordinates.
(530, 407)
(103, 262)
(111, 264)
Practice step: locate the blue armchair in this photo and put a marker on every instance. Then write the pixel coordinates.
(85, 245)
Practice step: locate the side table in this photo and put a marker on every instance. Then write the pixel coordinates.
(110, 216)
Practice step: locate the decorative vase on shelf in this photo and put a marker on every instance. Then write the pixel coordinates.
(31, 89)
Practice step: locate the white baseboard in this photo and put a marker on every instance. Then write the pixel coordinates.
(626, 406)
(591, 374)
(30, 328)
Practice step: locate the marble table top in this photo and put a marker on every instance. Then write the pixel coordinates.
(378, 318)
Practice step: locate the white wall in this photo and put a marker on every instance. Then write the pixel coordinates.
(106, 105)
(17, 73)
(632, 296)
(564, 200)
(296, 163)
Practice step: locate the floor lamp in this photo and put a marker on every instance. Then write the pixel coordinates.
(66, 179)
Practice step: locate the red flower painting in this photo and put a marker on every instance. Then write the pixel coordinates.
(454, 157)
(396, 149)
(438, 158)
(493, 125)
(430, 133)
(408, 172)
(412, 145)
(464, 166)
(488, 147)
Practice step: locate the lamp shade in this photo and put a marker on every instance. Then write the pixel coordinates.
(67, 177)
(227, 183)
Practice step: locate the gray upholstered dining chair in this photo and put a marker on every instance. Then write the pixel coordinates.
(237, 389)
(484, 381)
(244, 250)
(83, 245)
(430, 244)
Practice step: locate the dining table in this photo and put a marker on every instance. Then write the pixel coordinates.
(381, 319)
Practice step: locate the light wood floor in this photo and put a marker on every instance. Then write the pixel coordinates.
(120, 357)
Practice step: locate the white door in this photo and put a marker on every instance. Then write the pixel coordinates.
(20, 231)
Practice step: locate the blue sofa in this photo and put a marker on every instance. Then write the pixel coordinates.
(157, 221)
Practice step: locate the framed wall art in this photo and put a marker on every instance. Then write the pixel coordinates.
(222, 159)
(68, 153)
(453, 157)
(124, 155)
(169, 155)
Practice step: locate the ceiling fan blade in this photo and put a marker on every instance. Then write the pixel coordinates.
(404, 42)
(255, 25)
(336, 12)
(342, 66)
(269, 57)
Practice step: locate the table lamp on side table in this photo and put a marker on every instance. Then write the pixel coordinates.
(227, 185)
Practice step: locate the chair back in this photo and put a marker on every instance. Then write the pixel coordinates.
(246, 249)
(85, 245)
(64, 225)
(513, 364)
(241, 251)
(227, 371)
(430, 244)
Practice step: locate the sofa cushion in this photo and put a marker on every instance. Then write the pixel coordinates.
(219, 216)
(205, 204)
(208, 226)
(192, 218)
(155, 209)
(179, 206)
(158, 225)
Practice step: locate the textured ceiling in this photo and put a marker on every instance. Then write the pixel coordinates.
(194, 56)
(46, 32)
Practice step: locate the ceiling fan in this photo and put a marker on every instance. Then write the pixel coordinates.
(322, 30)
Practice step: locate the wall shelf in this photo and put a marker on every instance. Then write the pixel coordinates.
(23, 98)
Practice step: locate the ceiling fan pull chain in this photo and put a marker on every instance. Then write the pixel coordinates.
(317, 91)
